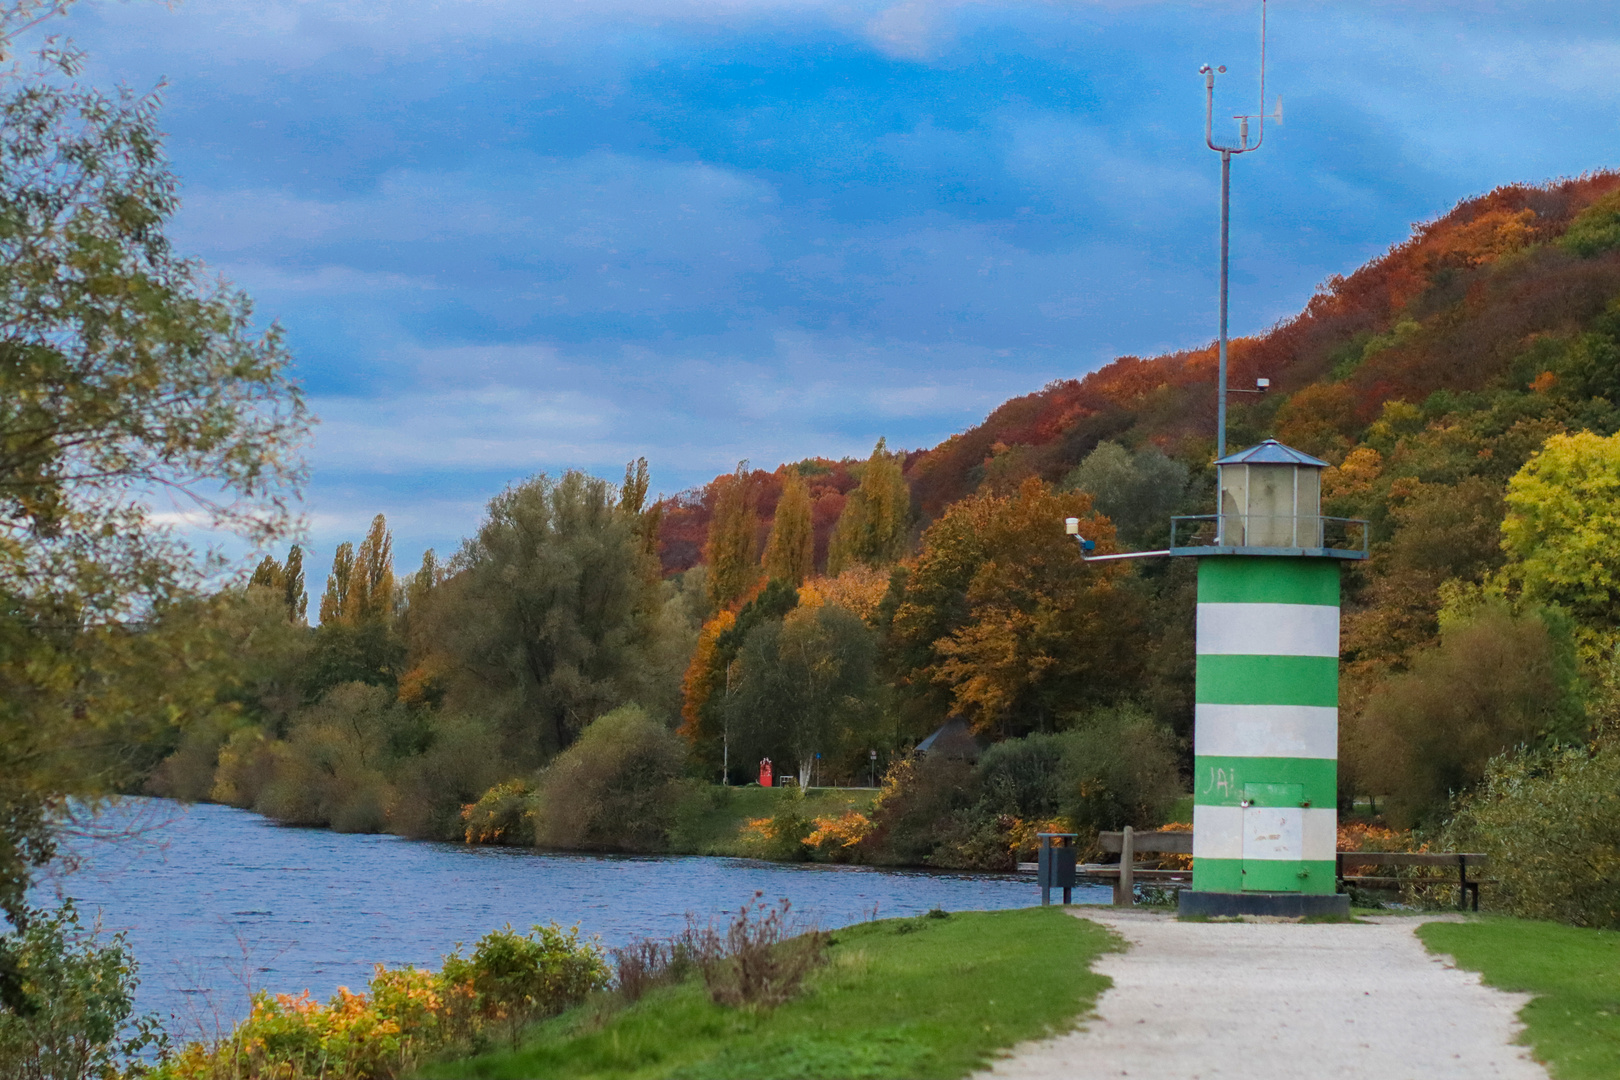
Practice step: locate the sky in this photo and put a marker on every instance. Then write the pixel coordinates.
(513, 236)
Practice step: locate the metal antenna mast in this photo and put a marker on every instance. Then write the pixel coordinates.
(1227, 153)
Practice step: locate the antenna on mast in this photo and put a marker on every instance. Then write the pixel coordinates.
(1227, 152)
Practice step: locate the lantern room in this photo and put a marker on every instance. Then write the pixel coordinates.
(1271, 497)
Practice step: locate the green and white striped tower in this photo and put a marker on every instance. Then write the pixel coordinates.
(1266, 737)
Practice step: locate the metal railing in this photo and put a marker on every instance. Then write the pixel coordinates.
(1347, 537)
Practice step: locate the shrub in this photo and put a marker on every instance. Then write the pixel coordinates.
(503, 815)
(646, 963)
(407, 1014)
(1550, 821)
(761, 959)
(615, 789)
(1496, 680)
(69, 1001)
(915, 806)
(460, 763)
(1119, 768)
(518, 978)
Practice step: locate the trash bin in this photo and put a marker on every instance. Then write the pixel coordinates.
(1055, 868)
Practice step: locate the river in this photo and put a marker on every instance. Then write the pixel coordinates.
(216, 901)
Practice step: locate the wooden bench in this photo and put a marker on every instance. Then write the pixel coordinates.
(1460, 861)
(1124, 874)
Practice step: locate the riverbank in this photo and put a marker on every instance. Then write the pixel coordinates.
(758, 822)
(210, 894)
(912, 999)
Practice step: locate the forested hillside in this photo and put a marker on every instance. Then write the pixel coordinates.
(829, 614)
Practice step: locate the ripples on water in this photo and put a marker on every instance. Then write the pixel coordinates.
(215, 899)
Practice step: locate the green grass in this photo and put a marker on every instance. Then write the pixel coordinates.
(709, 821)
(1574, 1022)
(905, 998)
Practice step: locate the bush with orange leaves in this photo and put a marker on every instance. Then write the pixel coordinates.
(407, 1015)
(835, 837)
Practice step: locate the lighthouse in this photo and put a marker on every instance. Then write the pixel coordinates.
(1266, 725)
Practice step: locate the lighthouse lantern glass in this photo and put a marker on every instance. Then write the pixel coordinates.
(1271, 505)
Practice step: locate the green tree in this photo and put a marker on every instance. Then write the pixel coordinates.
(876, 522)
(125, 370)
(804, 686)
(1138, 492)
(336, 607)
(551, 615)
(293, 592)
(732, 551)
(285, 580)
(1563, 514)
(790, 552)
(1496, 680)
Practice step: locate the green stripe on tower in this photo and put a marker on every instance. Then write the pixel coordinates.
(1259, 781)
(1258, 579)
(1267, 680)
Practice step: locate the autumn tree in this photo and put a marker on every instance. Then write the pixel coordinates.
(710, 673)
(335, 601)
(371, 580)
(1002, 621)
(732, 551)
(1563, 514)
(876, 522)
(790, 553)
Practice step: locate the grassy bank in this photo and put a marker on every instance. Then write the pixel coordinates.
(1574, 1022)
(904, 998)
(714, 820)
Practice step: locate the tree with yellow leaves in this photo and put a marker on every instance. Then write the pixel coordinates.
(876, 521)
(790, 552)
(1563, 514)
(732, 551)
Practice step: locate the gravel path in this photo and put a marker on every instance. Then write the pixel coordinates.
(1290, 1001)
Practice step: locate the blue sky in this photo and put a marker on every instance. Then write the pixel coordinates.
(507, 237)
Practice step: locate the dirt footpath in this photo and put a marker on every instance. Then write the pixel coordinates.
(1290, 1001)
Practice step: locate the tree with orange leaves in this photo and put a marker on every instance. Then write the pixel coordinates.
(1003, 622)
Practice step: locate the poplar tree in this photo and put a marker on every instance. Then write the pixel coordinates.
(268, 575)
(790, 552)
(732, 551)
(371, 583)
(876, 521)
(286, 580)
(292, 585)
(335, 601)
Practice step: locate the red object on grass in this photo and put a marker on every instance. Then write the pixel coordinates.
(765, 773)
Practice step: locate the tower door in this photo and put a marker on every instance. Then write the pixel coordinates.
(1273, 837)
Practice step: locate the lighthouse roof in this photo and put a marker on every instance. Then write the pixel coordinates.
(1272, 452)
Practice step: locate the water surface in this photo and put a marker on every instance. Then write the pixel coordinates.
(217, 900)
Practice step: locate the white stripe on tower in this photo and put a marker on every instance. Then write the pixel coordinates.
(1295, 731)
(1268, 630)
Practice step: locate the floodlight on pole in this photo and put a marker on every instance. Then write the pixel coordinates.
(1227, 153)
